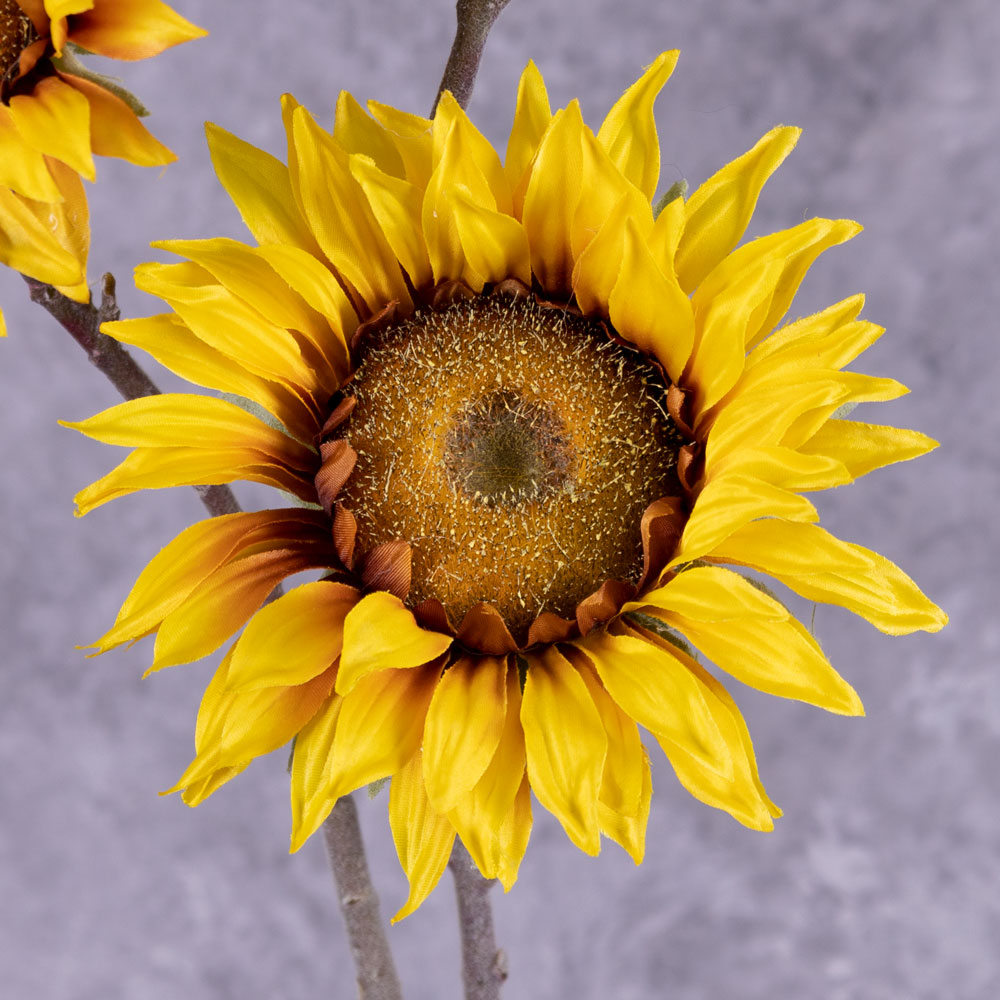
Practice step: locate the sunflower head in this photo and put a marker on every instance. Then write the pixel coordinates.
(546, 439)
(16, 35)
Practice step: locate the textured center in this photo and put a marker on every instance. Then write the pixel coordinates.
(515, 447)
(505, 449)
(16, 34)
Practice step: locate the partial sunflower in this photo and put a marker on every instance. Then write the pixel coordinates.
(532, 423)
(55, 115)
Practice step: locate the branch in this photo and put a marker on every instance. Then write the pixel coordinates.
(475, 19)
(82, 321)
(484, 965)
(376, 974)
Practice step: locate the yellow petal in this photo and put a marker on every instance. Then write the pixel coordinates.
(514, 835)
(597, 269)
(861, 448)
(729, 502)
(227, 323)
(482, 816)
(159, 468)
(357, 132)
(565, 745)
(131, 29)
(793, 251)
(114, 128)
(341, 219)
(479, 155)
(783, 467)
(411, 135)
(717, 359)
(494, 244)
(380, 726)
(223, 602)
(29, 247)
(180, 566)
(753, 637)
(259, 186)
(397, 205)
(629, 829)
(532, 115)
(423, 837)
(653, 687)
(551, 199)
(55, 119)
(311, 778)
(166, 338)
(622, 780)
(629, 131)
(648, 308)
(381, 634)
(245, 725)
(719, 210)
(820, 567)
(456, 167)
(293, 639)
(171, 419)
(464, 724)
(69, 222)
(22, 167)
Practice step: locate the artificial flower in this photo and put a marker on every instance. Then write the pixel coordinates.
(542, 439)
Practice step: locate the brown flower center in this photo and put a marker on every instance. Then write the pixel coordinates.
(16, 34)
(515, 447)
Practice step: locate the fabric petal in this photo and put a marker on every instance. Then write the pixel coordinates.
(423, 837)
(189, 559)
(380, 726)
(311, 778)
(532, 115)
(653, 687)
(114, 128)
(381, 634)
(648, 308)
(551, 199)
(22, 167)
(131, 29)
(55, 119)
(355, 131)
(718, 212)
(820, 567)
(259, 186)
(629, 130)
(293, 639)
(565, 745)
(341, 219)
(751, 636)
(628, 830)
(464, 724)
(862, 448)
(29, 247)
(494, 244)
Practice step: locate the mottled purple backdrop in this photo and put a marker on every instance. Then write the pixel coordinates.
(881, 882)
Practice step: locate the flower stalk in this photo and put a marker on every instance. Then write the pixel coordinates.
(475, 19)
(376, 973)
(484, 965)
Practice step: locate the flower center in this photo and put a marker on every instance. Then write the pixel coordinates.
(16, 34)
(515, 447)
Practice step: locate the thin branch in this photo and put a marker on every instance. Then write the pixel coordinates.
(376, 973)
(475, 19)
(82, 321)
(484, 965)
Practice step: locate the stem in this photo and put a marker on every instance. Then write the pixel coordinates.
(376, 974)
(475, 19)
(484, 965)
(82, 321)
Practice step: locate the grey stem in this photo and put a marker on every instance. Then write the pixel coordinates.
(82, 321)
(377, 978)
(484, 965)
(475, 19)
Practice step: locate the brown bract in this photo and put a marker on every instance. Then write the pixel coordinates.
(504, 465)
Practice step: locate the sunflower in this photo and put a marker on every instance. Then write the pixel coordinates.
(530, 423)
(55, 115)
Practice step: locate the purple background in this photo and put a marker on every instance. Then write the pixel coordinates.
(883, 879)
